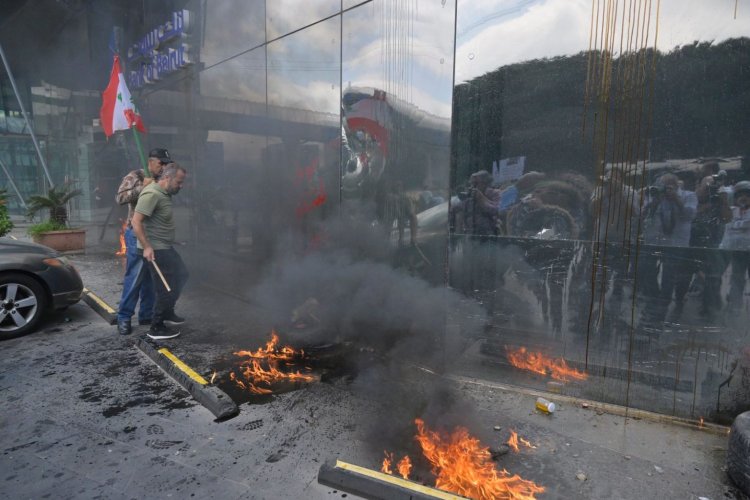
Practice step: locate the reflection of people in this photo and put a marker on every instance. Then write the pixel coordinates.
(513, 194)
(476, 215)
(394, 205)
(737, 238)
(706, 233)
(546, 213)
(614, 208)
(137, 283)
(154, 226)
(668, 216)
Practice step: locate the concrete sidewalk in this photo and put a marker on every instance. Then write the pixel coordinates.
(88, 416)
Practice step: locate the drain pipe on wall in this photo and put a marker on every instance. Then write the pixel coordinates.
(26, 117)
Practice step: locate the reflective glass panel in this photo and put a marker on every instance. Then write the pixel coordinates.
(397, 78)
(285, 16)
(598, 209)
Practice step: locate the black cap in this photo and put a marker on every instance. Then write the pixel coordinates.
(160, 154)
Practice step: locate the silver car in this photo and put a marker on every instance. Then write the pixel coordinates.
(33, 279)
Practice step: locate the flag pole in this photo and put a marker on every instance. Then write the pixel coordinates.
(140, 151)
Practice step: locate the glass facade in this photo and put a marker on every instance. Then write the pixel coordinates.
(576, 168)
(602, 230)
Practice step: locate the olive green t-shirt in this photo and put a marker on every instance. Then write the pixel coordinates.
(156, 205)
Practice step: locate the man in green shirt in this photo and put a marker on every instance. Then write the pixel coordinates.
(153, 224)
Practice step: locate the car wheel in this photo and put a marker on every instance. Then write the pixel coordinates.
(22, 301)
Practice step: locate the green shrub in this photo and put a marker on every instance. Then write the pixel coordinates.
(44, 227)
(5, 223)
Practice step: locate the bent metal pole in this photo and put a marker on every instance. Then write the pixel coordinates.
(26, 117)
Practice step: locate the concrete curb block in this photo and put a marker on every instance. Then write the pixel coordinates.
(210, 396)
(375, 485)
(99, 306)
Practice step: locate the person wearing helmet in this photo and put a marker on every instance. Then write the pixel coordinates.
(737, 239)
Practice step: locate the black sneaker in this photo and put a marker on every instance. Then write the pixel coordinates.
(174, 320)
(161, 332)
(144, 322)
(123, 327)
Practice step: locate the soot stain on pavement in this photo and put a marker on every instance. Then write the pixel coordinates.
(93, 393)
(124, 382)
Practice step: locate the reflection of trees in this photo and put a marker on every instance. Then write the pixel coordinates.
(701, 103)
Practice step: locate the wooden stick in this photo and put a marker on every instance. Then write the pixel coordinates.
(163, 280)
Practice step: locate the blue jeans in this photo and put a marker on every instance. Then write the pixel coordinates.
(137, 283)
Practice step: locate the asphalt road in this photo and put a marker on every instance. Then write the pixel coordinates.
(86, 415)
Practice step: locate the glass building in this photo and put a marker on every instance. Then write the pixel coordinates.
(574, 170)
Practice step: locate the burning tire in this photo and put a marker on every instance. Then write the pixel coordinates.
(22, 301)
(738, 452)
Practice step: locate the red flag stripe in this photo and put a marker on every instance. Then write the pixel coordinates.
(109, 96)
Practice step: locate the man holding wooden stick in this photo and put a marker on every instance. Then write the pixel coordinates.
(153, 224)
(137, 280)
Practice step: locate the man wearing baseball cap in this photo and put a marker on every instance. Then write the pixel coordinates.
(137, 282)
(160, 154)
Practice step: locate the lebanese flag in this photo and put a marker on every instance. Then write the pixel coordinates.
(118, 112)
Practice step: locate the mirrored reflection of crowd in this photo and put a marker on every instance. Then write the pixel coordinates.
(688, 218)
(668, 237)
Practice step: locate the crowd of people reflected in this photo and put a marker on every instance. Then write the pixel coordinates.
(664, 239)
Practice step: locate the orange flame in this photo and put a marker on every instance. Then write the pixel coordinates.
(463, 466)
(404, 467)
(514, 439)
(537, 362)
(256, 372)
(123, 248)
(255, 375)
(387, 461)
(271, 351)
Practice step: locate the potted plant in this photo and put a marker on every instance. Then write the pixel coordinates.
(55, 232)
(5, 223)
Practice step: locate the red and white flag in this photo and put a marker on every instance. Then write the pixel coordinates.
(118, 112)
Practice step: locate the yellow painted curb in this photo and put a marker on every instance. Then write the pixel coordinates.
(99, 301)
(182, 366)
(404, 483)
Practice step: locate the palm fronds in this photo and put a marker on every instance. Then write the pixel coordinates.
(55, 201)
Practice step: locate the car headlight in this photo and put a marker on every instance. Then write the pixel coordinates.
(57, 261)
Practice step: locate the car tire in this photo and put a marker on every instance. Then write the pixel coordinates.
(20, 289)
(738, 452)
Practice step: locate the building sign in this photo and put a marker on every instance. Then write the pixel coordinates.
(161, 52)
